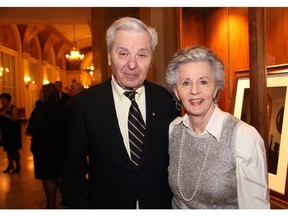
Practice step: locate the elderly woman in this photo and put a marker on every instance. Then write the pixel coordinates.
(216, 160)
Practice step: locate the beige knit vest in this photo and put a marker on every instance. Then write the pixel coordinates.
(218, 185)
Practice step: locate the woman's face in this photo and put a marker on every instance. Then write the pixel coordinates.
(196, 88)
(4, 101)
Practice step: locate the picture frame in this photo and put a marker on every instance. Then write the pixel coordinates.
(277, 122)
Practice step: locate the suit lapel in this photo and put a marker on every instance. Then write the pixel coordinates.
(151, 127)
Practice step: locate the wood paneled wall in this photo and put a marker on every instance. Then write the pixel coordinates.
(216, 38)
(276, 36)
(225, 31)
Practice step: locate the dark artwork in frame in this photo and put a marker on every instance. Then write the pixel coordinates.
(275, 110)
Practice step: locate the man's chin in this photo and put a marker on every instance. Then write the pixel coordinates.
(132, 85)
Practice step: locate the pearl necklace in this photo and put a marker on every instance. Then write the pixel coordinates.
(179, 165)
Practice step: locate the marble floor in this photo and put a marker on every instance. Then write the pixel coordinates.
(21, 190)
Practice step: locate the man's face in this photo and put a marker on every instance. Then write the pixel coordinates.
(130, 58)
(59, 86)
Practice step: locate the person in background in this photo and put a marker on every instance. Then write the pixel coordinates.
(63, 97)
(216, 160)
(11, 132)
(47, 128)
(75, 88)
(98, 143)
(39, 101)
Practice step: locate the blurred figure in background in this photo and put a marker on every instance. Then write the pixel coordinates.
(75, 88)
(11, 132)
(63, 97)
(39, 101)
(47, 128)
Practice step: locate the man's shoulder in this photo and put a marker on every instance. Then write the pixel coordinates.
(156, 90)
(154, 87)
(65, 95)
(95, 92)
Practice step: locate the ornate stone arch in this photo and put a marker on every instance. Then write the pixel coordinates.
(8, 36)
(31, 35)
(48, 56)
(61, 61)
(17, 37)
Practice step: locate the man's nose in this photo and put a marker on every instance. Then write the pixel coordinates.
(132, 63)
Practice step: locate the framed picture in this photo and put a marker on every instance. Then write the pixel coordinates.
(277, 113)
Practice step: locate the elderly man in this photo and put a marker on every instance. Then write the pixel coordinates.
(120, 173)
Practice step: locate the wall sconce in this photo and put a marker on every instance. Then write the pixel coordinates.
(45, 82)
(2, 70)
(90, 69)
(27, 81)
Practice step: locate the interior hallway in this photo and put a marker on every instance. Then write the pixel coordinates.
(21, 190)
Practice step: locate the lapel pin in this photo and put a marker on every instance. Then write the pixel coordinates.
(153, 114)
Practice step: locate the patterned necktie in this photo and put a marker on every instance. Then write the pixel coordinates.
(136, 129)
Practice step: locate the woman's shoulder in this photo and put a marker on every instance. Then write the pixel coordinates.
(247, 129)
(249, 141)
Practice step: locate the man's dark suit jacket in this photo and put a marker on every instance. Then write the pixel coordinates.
(64, 98)
(114, 182)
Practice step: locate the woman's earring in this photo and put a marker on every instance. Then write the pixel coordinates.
(178, 105)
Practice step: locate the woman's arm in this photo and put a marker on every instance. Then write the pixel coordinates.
(251, 171)
(13, 117)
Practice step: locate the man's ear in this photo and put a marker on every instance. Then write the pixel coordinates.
(109, 59)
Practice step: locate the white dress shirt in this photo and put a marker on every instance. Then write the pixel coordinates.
(122, 105)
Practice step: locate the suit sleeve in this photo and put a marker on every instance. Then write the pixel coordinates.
(75, 166)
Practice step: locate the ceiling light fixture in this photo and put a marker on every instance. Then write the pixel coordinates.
(75, 56)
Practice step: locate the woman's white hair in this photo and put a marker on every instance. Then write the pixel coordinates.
(195, 54)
